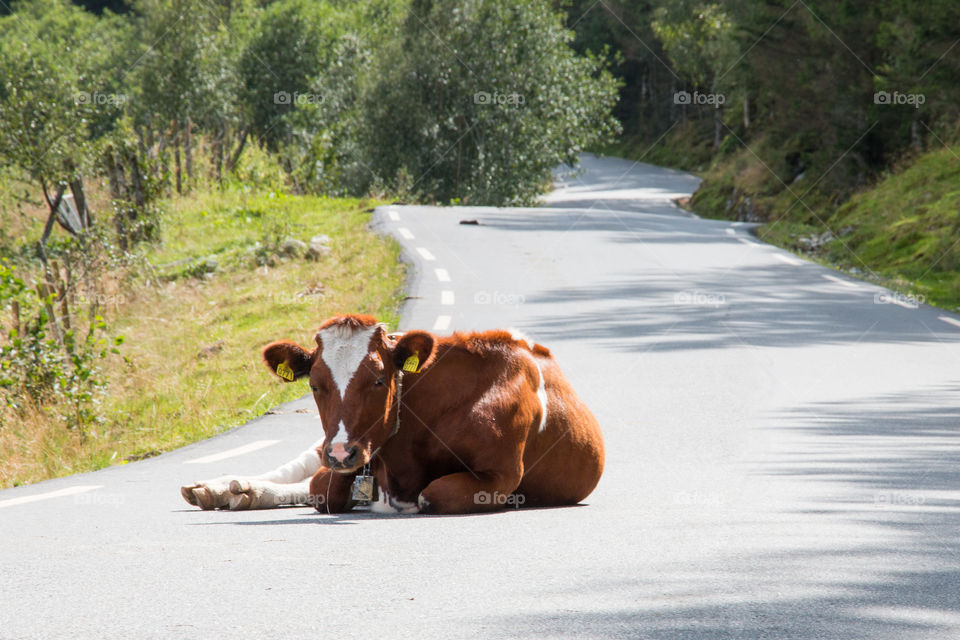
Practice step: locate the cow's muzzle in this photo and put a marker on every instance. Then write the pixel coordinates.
(340, 457)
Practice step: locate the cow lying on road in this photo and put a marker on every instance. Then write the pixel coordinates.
(456, 424)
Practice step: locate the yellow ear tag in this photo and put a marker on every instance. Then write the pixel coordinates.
(412, 364)
(285, 372)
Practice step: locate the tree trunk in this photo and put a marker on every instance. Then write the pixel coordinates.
(80, 200)
(188, 149)
(746, 109)
(235, 156)
(717, 127)
(176, 163)
(53, 205)
(916, 140)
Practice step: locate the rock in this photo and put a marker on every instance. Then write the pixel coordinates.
(292, 247)
(210, 350)
(319, 247)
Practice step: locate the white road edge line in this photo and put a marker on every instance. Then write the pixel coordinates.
(69, 491)
(791, 261)
(447, 297)
(426, 254)
(442, 275)
(236, 451)
(839, 281)
(403, 231)
(949, 320)
(442, 323)
(393, 215)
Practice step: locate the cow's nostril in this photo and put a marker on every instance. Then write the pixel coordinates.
(351, 458)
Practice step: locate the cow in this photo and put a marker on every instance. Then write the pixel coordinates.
(471, 422)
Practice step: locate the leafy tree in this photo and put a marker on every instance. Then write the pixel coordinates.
(478, 101)
(52, 99)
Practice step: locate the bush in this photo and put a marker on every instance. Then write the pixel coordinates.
(45, 363)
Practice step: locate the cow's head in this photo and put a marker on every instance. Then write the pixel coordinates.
(353, 375)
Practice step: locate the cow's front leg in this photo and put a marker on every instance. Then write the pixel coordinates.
(209, 494)
(467, 492)
(331, 492)
(263, 494)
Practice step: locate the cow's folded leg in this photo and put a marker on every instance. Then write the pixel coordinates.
(263, 494)
(467, 492)
(331, 492)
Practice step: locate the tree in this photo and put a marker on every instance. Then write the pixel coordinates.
(479, 101)
(51, 97)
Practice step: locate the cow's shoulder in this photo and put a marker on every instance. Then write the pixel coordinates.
(497, 341)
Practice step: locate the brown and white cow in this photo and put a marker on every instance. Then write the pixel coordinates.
(485, 420)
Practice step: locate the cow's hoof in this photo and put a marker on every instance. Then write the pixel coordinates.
(423, 504)
(204, 498)
(242, 498)
(187, 492)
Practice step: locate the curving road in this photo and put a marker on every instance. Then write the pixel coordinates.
(783, 460)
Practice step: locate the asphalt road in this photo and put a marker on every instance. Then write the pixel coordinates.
(782, 460)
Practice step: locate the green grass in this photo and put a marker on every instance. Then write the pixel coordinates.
(192, 365)
(903, 231)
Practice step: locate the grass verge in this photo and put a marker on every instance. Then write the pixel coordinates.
(227, 280)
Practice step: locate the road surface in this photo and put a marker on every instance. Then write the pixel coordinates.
(782, 447)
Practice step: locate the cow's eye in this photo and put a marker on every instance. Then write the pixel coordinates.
(315, 388)
(379, 382)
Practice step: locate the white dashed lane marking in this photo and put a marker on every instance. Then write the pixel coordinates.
(442, 275)
(447, 297)
(426, 254)
(730, 232)
(236, 451)
(851, 285)
(69, 491)
(745, 241)
(393, 215)
(949, 320)
(791, 261)
(442, 323)
(403, 231)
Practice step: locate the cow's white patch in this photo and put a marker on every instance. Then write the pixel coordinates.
(542, 395)
(520, 336)
(387, 504)
(343, 351)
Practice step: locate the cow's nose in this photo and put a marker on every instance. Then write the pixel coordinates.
(343, 456)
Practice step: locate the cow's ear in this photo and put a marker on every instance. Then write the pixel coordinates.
(414, 351)
(288, 360)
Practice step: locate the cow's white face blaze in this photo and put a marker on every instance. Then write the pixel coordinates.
(353, 375)
(353, 385)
